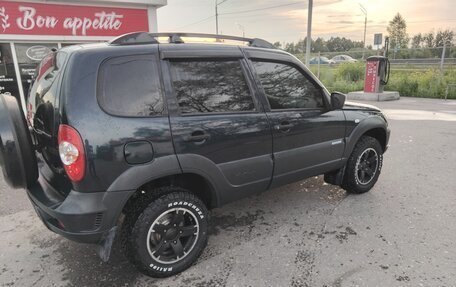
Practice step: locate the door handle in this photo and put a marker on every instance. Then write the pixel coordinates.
(197, 136)
(284, 126)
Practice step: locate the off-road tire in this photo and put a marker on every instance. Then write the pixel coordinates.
(351, 182)
(144, 213)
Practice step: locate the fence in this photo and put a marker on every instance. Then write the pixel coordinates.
(405, 59)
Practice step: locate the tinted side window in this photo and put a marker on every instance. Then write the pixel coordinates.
(211, 86)
(44, 88)
(287, 88)
(130, 86)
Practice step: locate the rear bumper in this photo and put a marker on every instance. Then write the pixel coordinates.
(81, 217)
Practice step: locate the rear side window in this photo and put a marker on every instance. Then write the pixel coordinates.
(130, 86)
(43, 89)
(211, 87)
(287, 88)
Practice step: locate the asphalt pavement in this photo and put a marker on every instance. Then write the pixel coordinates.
(402, 233)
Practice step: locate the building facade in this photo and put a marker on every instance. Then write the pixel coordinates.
(30, 29)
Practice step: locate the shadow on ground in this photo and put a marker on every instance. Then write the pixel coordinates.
(243, 220)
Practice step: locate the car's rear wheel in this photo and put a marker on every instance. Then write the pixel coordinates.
(17, 157)
(364, 166)
(168, 235)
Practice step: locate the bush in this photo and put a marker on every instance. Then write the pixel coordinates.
(345, 87)
(401, 82)
(429, 83)
(350, 72)
(406, 79)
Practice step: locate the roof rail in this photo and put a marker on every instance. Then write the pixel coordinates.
(137, 38)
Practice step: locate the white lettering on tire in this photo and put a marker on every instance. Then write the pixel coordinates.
(161, 269)
(188, 204)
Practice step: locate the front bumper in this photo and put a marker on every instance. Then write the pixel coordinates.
(79, 216)
(388, 133)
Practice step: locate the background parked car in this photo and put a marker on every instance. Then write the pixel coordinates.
(343, 59)
(323, 61)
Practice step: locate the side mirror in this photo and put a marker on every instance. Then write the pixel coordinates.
(337, 100)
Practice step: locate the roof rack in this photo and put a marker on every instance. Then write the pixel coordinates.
(137, 38)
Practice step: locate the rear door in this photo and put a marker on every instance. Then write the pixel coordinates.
(308, 138)
(219, 128)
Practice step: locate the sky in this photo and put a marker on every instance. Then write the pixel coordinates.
(288, 23)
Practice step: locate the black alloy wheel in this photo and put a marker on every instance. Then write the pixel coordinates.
(173, 235)
(363, 166)
(366, 166)
(165, 231)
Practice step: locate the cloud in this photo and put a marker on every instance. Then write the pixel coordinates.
(341, 22)
(341, 18)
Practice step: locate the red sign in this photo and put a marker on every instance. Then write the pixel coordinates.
(371, 78)
(23, 18)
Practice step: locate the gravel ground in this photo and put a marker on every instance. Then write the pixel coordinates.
(304, 234)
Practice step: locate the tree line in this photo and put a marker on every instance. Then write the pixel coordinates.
(398, 37)
(334, 44)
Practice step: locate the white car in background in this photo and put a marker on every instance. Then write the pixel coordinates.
(343, 59)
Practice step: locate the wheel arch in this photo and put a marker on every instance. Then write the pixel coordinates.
(195, 183)
(374, 127)
(379, 134)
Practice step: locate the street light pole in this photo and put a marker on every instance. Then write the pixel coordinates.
(242, 28)
(216, 17)
(309, 31)
(365, 26)
(216, 14)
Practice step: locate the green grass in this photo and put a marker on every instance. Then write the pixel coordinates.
(408, 80)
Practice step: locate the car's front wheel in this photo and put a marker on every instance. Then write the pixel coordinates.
(364, 166)
(169, 235)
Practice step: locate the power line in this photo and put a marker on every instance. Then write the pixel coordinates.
(260, 9)
(240, 12)
(197, 22)
(432, 21)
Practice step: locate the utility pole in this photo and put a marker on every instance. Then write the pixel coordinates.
(365, 26)
(216, 14)
(309, 31)
(216, 17)
(242, 28)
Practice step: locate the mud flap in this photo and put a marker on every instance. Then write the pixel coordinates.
(335, 177)
(105, 246)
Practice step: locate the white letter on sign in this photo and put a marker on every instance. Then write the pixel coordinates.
(26, 23)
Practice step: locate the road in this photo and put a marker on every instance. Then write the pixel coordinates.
(402, 233)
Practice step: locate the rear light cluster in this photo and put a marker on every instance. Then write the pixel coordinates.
(71, 151)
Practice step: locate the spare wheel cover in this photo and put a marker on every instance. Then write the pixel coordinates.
(17, 157)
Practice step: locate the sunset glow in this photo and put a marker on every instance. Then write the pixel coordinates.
(289, 22)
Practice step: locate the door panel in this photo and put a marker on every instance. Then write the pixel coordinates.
(239, 145)
(314, 144)
(307, 136)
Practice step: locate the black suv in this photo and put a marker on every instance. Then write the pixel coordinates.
(149, 136)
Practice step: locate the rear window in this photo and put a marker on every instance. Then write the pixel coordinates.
(130, 86)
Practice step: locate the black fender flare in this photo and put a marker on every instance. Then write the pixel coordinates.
(369, 123)
(121, 190)
(138, 175)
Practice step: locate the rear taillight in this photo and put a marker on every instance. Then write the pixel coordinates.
(71, 150)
